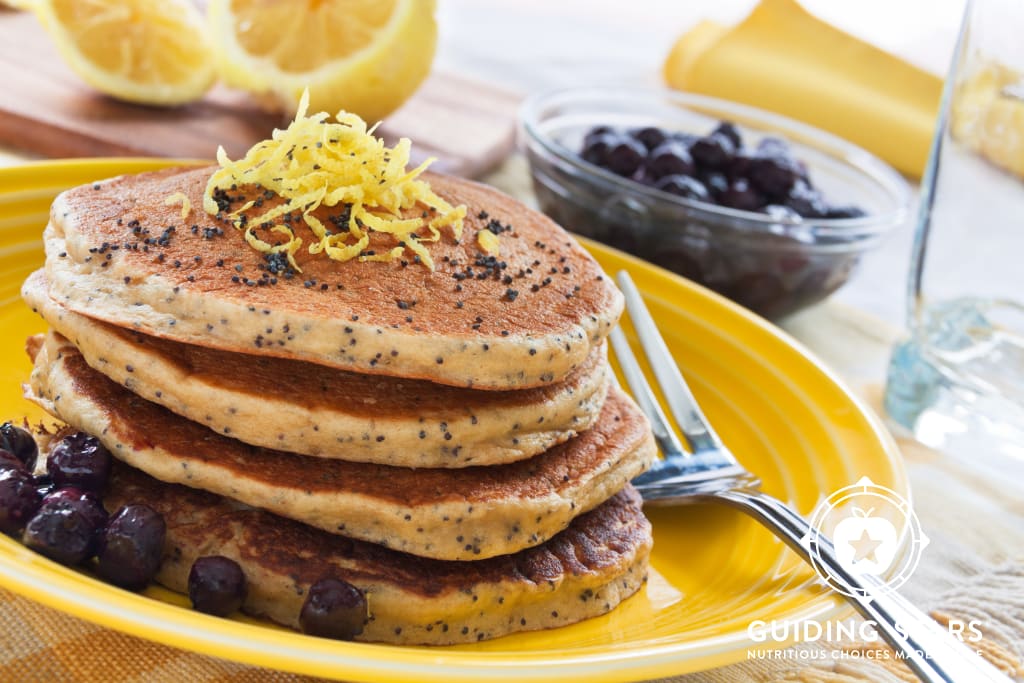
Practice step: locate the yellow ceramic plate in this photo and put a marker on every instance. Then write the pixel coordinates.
(713, 570)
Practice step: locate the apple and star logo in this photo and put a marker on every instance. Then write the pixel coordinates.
(865, 547)
(873, 531)
(865, 543)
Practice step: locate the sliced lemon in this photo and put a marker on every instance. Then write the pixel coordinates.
(364, 56)
(148, 51)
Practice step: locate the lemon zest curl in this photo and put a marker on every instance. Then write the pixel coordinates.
(313, 163)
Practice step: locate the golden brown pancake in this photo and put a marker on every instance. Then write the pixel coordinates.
(584, 571)
(304, 408)
(526, 318)
(462, 514)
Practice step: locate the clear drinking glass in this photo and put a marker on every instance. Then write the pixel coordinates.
(958, 381)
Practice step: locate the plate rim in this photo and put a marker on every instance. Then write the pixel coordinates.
(83, 597)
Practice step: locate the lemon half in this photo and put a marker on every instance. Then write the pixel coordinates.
(148, 51)
(364, 56)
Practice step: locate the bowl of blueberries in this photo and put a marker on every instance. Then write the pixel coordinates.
(767, 211)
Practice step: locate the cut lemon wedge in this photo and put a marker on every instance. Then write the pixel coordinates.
(148, 51)
(364, 56)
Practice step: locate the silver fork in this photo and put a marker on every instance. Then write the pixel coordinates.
(710, 473)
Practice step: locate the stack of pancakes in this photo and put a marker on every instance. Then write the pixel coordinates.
(447, 440)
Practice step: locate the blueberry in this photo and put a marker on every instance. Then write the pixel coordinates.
(729, 130)
(625, 156)
(670, 158)
(20, 442)
(806, 201)
(595, 149)
(597, 131)
(86, 501)
(216, 585)
(774, 175)
(714, 168)
(715, 182)
(643, 176)
(66, 528)
(714, 151)
(684, 186)
(333, 609)
(739, 165)
(742, 196)
(131, 547)
(650, 137)
(80, 460)
(849, 211)
(43, 484)
(9, 461)
(19, 500)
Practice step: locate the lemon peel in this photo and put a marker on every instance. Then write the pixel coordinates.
(313, 163)
(488, 242)
(366, 56)
(180, 198)
(289, 248)
(143, 51)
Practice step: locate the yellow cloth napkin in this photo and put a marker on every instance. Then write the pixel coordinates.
(784, 59)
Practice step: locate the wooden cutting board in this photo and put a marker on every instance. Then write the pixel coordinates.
(46, 110)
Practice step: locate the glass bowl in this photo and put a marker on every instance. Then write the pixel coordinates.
(772, 266)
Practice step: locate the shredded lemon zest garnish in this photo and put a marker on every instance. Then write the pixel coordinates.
(180, 198)
(242, 209)
(488, 241)
(289, 248)
(314, 163)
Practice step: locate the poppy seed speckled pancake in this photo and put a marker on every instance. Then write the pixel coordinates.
(117, 252)
(452, 514)
(584, 571)
(305, 408)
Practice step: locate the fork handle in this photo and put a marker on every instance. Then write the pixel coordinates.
(930, 651)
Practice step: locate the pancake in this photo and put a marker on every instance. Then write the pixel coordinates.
(584, 571)
(304, 408)
(116, 252)
(464, 514)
